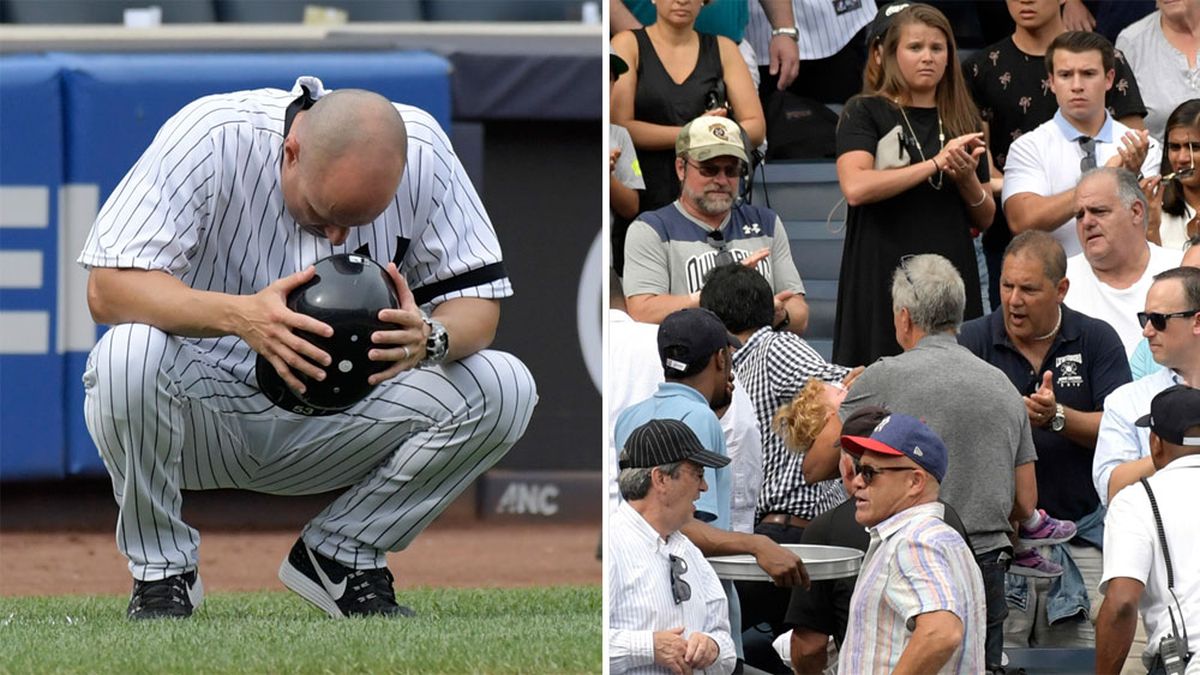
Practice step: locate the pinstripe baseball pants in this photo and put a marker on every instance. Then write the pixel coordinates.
(166, 417)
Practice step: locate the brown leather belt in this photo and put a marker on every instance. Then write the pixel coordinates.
(785, 519)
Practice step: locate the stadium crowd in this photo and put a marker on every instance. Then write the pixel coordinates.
(1013, 394)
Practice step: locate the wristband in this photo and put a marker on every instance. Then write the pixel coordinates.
(982, 198)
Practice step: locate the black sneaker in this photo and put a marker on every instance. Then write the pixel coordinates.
(338, 590)
(171, 598)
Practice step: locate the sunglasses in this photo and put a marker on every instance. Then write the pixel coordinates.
(1159, 320)
(904, 268)
(680, 589)
(711, 170)
(870, 473)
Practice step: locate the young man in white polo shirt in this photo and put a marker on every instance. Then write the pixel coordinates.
(1045, 164)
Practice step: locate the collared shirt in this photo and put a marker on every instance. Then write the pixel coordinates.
(1117, 306)
(1045, 162)
(680, 402)
(915, 564)
(667, 251)
(641, 601)
(1162, 70)
(1132, 549)
(971, 405)
(1088, 364)
(775, 366)
(1119, 440)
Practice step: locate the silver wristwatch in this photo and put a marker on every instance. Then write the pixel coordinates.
(1059, 421)
(788, 31)
(437, 345)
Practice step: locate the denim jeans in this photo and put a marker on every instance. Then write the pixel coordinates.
(992, 566)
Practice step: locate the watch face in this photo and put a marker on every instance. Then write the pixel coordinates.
(1058, 423)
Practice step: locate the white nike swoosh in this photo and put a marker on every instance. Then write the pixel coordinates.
(335, 590)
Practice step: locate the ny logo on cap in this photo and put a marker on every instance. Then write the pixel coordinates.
(882, 424)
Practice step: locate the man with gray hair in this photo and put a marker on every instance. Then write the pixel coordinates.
(972, 406)
(668, 612)
(1109, 279)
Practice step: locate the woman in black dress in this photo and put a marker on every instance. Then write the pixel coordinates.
(909, 164)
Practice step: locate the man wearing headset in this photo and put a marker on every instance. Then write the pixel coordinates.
(669, 251)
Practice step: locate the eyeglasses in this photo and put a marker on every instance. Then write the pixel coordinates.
(870, 473)
(1159, 320)
(680, 589)
(711, 170)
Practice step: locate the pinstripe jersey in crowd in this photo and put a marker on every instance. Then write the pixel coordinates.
(915, 564)
(774, 367)
(823, 31)
(204, 204)
(640, 600)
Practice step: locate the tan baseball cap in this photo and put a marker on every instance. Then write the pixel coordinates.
(710, 136)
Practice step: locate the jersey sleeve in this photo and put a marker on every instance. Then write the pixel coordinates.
(455, 252)
(154, 217)
(1109, 367)
(646, 265)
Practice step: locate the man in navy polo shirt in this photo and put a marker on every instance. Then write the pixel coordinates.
(1064, 363)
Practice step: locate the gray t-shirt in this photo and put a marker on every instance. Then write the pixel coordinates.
(976, 411)
(668, 252)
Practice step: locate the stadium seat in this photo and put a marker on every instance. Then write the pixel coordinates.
(102, 11)
(292, 11)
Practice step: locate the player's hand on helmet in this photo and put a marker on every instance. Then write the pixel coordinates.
(404, 346)
(267, 325)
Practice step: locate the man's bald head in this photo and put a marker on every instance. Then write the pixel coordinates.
(344, 159)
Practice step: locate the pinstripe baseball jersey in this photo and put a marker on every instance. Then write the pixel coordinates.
(915, 564)
(825, 27)
(204, 204)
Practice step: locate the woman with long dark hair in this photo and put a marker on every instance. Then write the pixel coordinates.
(909, 150)
(1174, 220)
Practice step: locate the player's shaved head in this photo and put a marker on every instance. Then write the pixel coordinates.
(350, 150)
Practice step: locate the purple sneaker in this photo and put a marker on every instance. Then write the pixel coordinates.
(1030, 563)
(1051, 531)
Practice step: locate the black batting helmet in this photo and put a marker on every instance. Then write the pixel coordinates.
(347, 293)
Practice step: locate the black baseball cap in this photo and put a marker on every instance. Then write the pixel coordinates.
(883, 20)
(664, 441)
(692, 335)
(1172, 412)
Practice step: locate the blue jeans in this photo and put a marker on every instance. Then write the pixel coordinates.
(992, 566)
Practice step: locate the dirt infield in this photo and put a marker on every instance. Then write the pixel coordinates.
(33, 563)
(51, 544)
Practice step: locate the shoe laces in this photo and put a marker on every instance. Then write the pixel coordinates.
(163, 594)
(371, 587)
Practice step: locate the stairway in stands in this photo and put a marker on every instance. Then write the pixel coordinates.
(803, 194)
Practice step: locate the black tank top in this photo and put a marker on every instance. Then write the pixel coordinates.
(659, 100)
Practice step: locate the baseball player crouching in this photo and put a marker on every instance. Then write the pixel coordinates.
(191, 260)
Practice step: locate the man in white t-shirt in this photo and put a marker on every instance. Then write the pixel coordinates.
(1044, 165)
(1135, 574)
(1109, 279)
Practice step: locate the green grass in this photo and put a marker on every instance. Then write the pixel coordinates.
(529, 630)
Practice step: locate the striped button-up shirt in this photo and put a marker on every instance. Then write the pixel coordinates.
(774, 367)
(915, 564)
(640, 598)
